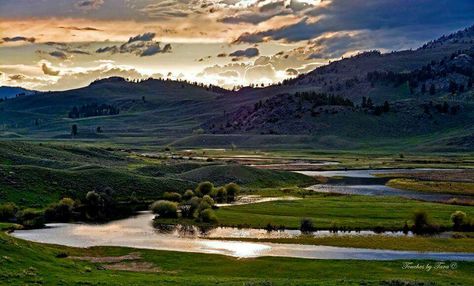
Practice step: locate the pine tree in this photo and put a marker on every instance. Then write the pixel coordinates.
(74, 130)
(370, 104)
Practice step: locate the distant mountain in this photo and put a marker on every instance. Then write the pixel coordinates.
(421, 98)
(410, 93)
(11, 92)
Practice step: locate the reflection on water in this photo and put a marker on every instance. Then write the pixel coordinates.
(191, 231)
(138, 232)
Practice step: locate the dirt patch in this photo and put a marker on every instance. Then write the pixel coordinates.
(108, 259)
(133, 266)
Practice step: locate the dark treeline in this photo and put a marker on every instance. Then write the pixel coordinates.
(316, 99)
(368, 104)
(321, 99)
(89, 110)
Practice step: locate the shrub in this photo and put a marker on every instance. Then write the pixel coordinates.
(62, 255)
(174, 197)
(207, 199)
(221, 195)
(232, 189)
(188, 195)
(204, 188)
(61, 211)
(8, 211)
(422, 223)
(208, 216)
(420, 219)
(306, 225)
(93, 198)
(165, 209)
(188, 210)
(459, 220)
(30, 218)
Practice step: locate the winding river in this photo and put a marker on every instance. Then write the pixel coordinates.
(376, 189)
(138, 232)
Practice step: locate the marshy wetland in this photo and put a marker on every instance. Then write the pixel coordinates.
(324, 207)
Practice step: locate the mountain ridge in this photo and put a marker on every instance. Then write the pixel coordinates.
(165, 111)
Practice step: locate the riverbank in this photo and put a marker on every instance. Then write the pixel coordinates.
(327, 211)
(28, 262)
(461, 244)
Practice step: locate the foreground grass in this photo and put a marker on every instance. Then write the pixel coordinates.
(455, 188)
(32, 263)
(351, 212)
(418, 243)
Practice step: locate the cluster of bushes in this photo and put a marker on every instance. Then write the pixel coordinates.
(306, 225)
(8, 211)
(29, 218)
(197, 204)
(97, 205)
(461, 222)
(422, 223)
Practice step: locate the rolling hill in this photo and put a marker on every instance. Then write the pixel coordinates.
(7, 92)
(418, 99)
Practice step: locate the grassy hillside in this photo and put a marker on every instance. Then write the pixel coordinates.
(161, 113)
(246, 176)
(35, 175)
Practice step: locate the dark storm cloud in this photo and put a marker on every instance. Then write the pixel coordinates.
(248, 53)
(74, 28)
(19, 39)
(259, 14)
(49, 70)
(143, 37)
(89, 4)
(58, 54)
(140, 45)
(402, 15)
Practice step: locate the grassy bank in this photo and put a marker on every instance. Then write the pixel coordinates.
(455, 188)
(32, 263)
(327, 211)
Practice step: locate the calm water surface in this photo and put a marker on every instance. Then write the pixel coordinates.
(138, 232)
(377, 189)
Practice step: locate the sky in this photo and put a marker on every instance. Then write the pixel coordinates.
(66, 44)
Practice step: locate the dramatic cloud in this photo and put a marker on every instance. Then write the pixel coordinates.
(19, 39)
(144, 37)
(58, 54)
(292, 72)
(141, 45)
(248, 53)
(370, 15)
(293, 36)
(48, 70)
(17, 77)
(89, 4)
(73, 28)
